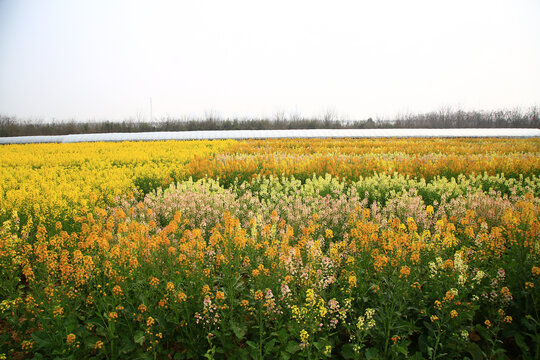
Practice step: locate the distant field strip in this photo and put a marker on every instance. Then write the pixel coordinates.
(275, 134)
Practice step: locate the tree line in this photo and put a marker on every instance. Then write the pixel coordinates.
(444, 118)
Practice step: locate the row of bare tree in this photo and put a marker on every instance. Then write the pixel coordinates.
(444, 118)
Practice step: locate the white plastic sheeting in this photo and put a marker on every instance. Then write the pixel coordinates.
(273, 134)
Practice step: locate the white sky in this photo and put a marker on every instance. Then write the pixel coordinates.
(98, 59)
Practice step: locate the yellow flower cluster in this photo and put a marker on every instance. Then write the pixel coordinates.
(50, 182)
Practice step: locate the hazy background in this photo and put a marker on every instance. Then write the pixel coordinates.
(96, 60)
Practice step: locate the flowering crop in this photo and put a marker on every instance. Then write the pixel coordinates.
(399, 249)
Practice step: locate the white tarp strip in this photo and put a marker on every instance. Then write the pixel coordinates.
(267, 134)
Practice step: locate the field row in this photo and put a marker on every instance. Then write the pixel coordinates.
(50, 182)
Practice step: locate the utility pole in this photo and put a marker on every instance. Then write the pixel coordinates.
(150, 109)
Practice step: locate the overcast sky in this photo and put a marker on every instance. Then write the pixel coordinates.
(104, 59)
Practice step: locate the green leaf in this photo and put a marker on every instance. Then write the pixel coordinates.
(283, 336)
(402, 349)
(348, 352)
(41, 339)
(417, 356)
(101, 331)
(284, 355)
(71, 324)
(292, 347)
(527, 324)
(269, 345)
(239, 331)
(475, 351)
(521, 343)
(143, 356)
(139, 337)
(251, 344)
(422, 344)
(38, 356)
(372, 353)
(483, 332)
(127, 346)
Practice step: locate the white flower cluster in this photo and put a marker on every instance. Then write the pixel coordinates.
(461, 268)
(366, 322)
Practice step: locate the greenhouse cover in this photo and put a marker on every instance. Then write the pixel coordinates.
(273, 134)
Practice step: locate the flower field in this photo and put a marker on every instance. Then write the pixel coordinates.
(292, 249)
